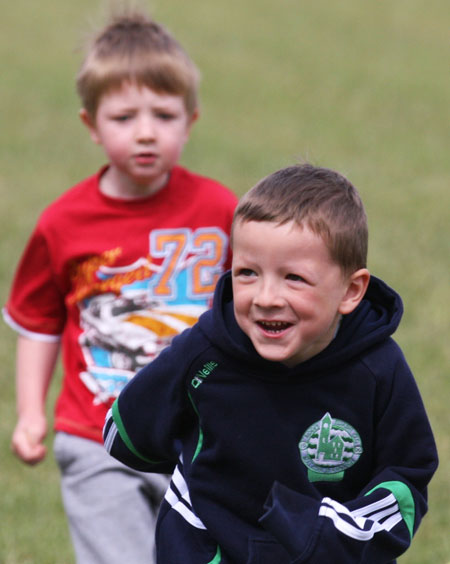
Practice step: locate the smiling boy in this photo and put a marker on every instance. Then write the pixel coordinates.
(297, 425)
(115, 268)
(289, 303)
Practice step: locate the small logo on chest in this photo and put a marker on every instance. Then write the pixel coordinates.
(203, 373)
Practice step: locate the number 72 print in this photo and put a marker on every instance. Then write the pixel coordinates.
(201, 253)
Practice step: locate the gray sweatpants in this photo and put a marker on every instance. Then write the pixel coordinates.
(111, 508)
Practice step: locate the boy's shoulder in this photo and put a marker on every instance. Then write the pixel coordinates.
(386, 361)
(83, 193)
(185, 352)
(198, 185)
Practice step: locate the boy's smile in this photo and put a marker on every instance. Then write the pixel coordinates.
(143, 133)
(288, 292)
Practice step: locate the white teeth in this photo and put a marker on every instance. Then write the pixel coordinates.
(275, 326)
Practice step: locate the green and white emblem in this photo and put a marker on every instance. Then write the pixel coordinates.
(328, 448)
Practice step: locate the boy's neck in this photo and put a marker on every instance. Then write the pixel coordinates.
(116, 185)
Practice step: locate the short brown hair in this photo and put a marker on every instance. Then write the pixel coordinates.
(132, 47)
(320, 198)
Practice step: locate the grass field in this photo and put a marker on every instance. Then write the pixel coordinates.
(359, 86)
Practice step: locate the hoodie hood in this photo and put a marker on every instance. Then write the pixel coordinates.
(373, 321)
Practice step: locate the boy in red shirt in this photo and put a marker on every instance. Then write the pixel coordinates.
(116, 266)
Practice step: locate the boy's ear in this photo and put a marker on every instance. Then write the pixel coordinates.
(89, 122)
(192, 119)
(357, 286)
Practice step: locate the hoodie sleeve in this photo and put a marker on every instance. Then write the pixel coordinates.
(372, 529)
(145, 421)
(378, 525)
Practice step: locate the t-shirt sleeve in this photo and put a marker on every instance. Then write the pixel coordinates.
(35, 307)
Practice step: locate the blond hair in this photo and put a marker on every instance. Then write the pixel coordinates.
(134, 48)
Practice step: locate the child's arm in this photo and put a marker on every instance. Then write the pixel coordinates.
(35, 363)
(152, 411)
(377, 525)
(372, 529)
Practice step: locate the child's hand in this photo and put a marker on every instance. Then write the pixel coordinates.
(27, 440)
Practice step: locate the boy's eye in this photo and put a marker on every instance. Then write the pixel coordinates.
(165, 116)
(122, 117)
(245, 272)
(295, 278)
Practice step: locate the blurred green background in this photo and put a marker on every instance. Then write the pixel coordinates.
(363, 87)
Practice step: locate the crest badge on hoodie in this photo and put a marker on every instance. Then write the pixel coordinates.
(328, 448)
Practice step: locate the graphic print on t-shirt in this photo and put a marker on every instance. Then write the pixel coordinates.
(128, 314)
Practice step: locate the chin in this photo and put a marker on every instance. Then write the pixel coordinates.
(273, 357)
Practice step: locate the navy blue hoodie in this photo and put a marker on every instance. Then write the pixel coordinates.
(327, 461)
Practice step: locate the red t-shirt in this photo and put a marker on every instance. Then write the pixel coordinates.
(117, 279)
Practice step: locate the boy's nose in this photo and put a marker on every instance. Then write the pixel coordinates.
(145, 130)
(267, 295)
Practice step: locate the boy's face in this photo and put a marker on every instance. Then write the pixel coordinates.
(143, 134)
(288, 293)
